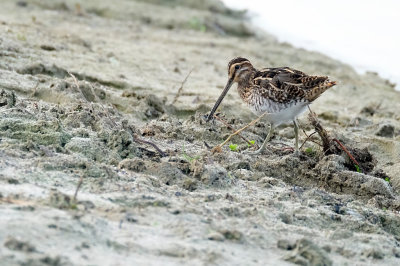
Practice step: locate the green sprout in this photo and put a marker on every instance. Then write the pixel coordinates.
(357, 168)
(197, 24)
(21, 37)
(310, 152)
(233, 147)
(252, 142)
(187, 157)
(387, 179)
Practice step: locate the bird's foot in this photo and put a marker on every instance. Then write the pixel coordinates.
(257, 152)
(296, 152)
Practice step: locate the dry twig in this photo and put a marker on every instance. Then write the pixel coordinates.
(327, 142)
(78, 186)
(35, 89)
(218, 148)
(346, 151)
(231, 128)
(308, 139)
(181, 87)
(151, 144)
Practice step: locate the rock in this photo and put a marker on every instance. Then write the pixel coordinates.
(216, 176)
(341, 234)
(156, 107)
(360, 122)
(370, 109)
(39, 68)
(232, 235)
(47, 47)
(210, 198)
(374, 253)
(360, 184)
(47, 260)
(385, 130)
(216, 236)
(396, 252)
(307, 253)
(285, 244)
(136, 165)
(7, 98)
(18, 245)
(286, 218)
(269, 182)
(243, 165)
(60, 200)
(168, 173)
(87, 147)
(244, 174)
(190, 184)
(329, 116)
(88, 91)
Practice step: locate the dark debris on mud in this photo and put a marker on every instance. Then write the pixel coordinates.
(100, 134)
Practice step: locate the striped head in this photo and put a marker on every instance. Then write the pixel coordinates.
(238, 69)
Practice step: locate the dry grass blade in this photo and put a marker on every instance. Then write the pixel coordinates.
(347, 151)
(218, 148)
(151, 144)
(75, 80)
(78, 186)
(231, 128)
(326, 140)
(307, 139)
(131, 131)
(77, 85)
(178, 93)
(35, 89)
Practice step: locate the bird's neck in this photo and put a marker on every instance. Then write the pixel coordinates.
(244, 84)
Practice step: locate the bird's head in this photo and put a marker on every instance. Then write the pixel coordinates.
(238, 68)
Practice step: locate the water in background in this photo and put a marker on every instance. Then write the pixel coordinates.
(362, 33)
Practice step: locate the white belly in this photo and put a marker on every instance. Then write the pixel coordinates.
(279, 113)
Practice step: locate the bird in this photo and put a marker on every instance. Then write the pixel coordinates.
(281, 93)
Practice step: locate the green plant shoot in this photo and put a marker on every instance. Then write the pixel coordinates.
(233, 147)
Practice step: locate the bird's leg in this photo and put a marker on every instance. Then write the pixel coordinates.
(296, 135)
(262, 148)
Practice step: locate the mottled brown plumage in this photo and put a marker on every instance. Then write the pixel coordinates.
(282, 92)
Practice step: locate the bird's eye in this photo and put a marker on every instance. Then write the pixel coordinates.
(237, 67)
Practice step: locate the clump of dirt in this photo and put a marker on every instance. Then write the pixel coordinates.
(307, 253)
(7, 99)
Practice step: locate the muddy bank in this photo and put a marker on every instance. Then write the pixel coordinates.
(88, 89)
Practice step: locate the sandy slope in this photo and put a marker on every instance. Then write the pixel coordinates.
(191, 206)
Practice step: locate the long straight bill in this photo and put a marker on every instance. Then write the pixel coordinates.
(221, 97)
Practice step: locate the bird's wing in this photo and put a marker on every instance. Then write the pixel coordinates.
(284, 84)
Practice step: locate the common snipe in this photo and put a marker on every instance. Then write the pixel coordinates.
(284, 93)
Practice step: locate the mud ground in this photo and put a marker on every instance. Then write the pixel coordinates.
(86, 85)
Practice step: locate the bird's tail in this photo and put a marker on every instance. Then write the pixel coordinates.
(315, 92)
